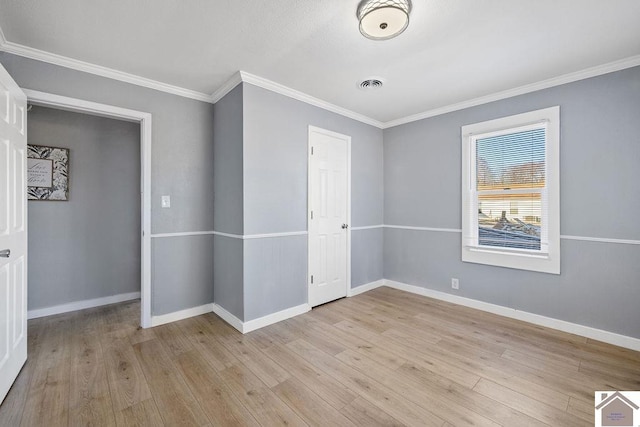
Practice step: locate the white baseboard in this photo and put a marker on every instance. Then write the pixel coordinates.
(227, 317)
(561, 325)
(180, 315)
(81, 305)
(270, 319)
(365, 288)
(260, 322)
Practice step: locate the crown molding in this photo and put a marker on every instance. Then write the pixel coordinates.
(300, 96)
(98, 70)
(243, 76)
(598, 70)
(226, 87)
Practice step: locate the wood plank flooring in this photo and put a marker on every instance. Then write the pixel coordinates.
(383, 358)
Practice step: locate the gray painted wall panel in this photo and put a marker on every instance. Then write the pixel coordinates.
(182, 149)
(367, 183)
(227, 163)
(600, 152)
(228, 277)
(605, 296)
(275, 273)
(275, 165)
(181, 273)
(419, 189)
(89, 246)
(366, 256)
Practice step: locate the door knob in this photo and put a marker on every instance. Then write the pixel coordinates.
(5, 253)
(345, 226)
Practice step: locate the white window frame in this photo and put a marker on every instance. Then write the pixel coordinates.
(546, 260)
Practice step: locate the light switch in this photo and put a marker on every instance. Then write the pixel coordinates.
(166, 201)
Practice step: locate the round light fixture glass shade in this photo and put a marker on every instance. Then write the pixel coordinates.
(383, 19)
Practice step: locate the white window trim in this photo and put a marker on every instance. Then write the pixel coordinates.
(548, 262)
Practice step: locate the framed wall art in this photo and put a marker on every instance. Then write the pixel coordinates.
(47, 173)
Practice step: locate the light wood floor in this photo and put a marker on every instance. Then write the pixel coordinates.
(382, 358)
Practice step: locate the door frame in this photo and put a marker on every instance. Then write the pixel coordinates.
(144, 119)
(347, 140)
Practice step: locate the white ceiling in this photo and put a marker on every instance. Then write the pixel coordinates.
(453, 50)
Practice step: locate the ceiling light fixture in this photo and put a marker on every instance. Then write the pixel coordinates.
(383, 19)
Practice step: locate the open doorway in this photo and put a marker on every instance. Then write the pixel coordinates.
(56, 102)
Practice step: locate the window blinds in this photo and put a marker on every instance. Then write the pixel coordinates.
(510, 189)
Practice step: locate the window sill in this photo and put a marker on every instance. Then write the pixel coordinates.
(509, 252)
(517, 259)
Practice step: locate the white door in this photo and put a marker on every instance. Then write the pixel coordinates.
(13, 231)
(328, 216)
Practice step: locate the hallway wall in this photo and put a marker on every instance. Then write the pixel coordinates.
(89, 246)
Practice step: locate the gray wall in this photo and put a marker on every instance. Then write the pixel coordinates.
(275, 197)
(177, 263)
(366, 256)
(600, 154)
(228, 276)
(89, 246)
(227, 163)
(275, 275)
(181, 160)
(228, 212)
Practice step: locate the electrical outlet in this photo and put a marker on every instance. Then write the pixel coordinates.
(455, 283)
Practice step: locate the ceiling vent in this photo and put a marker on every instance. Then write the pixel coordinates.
(371, 84)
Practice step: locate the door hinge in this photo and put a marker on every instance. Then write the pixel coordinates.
(312, 279)
(311, 214)
(312, 151)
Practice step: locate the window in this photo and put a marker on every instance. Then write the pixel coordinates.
(510, 191)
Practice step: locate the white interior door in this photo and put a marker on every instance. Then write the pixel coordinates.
(13, 231)
(328, 216)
